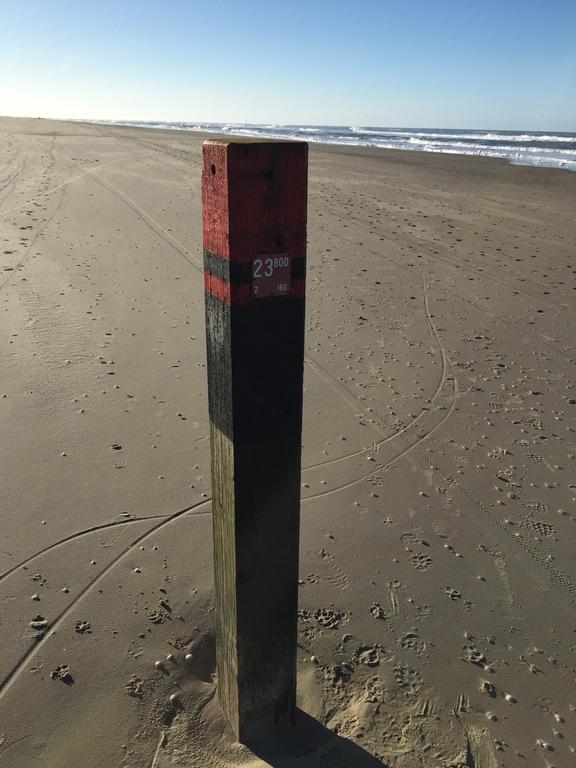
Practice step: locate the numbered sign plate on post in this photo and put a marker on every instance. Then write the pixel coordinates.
(271, 275)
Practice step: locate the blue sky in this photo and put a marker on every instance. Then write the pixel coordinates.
(444, 63)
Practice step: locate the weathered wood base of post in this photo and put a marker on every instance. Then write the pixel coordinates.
(255, 447)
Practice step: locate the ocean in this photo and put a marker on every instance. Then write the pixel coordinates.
(537, 148)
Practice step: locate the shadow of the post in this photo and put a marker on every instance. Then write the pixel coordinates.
(308, 744)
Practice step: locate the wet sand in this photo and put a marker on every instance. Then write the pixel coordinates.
(438, 579)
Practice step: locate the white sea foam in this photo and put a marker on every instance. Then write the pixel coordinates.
(524, 148)
(487, 136)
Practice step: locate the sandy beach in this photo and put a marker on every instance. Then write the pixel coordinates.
(438, 578)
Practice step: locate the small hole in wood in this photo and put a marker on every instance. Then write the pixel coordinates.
(213, 169)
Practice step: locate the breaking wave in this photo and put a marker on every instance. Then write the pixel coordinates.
(535, 148)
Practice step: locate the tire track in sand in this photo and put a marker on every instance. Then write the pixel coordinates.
(62, 185)
(335, 383)
(154, 225)
(13, 674)
(28, 251)
(319, 465)
(493, 315)
(77, 535)
(189, 257)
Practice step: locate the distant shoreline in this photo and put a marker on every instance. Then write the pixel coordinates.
(540, 149)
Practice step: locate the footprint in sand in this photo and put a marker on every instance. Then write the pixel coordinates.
(378, 612)
(324, 617)
(135, 687)
(421, 561)
(62, 672)
(488, 688)
(369, 655)
(410, 641)
(328, 570)
(541, 528)
(408, 679)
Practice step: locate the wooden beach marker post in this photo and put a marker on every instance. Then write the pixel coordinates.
(254, 196)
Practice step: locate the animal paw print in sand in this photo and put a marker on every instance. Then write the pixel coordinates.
(474, 656)
(323, 616)
(62, 672)
(135, 687)
(375, 692)
(421, 561)
(378, 612)
(327, 618)
(456, 596)
(410, 641)
(408, 679)
(369, 655)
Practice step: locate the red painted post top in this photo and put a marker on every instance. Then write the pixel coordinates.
(254, 196)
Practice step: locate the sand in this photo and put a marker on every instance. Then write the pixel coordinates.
(438, 578)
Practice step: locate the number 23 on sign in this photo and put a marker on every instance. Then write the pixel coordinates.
(270, 275)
